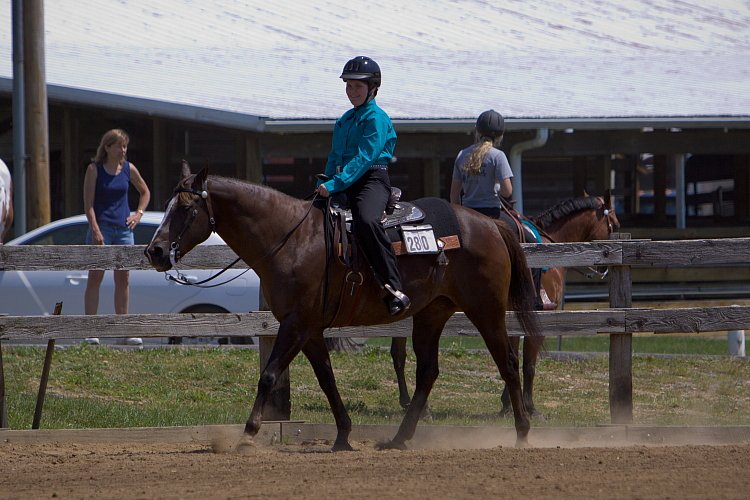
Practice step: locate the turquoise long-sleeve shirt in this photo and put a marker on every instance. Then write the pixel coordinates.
(362, 137)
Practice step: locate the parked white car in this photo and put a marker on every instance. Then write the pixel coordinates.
(28, 293)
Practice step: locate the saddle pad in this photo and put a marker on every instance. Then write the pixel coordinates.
(530, 226)
(439, 214)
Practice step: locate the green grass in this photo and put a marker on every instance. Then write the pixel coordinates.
(101, 387)
(645, 344)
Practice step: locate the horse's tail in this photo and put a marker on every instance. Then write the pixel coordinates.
(522, 294)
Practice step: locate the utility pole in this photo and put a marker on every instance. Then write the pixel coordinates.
(37, 127)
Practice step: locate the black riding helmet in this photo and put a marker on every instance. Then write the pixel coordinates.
(490, 124)
(362, 68)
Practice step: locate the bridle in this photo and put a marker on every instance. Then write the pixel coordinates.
(606, 211)
(174, 246)
(594, 272)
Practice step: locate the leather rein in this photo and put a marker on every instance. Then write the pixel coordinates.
(174, 247)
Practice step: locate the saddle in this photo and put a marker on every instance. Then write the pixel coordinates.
(409, 227)
(396, 212)
(525, 229)
(427, 226)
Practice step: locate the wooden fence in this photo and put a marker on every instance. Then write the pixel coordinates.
(619, 321)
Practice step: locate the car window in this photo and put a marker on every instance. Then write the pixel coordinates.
(74, 234)
(143, 233)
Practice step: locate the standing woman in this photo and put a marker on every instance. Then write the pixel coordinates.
(361, 150)
(105, 200)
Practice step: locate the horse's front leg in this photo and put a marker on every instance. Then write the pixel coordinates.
(317, 353)
(427, 327)
(289, 341)
(398, 355)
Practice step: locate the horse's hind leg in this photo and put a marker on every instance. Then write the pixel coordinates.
(427, 327)
(505, 396)
(493, 330)
(531, 348)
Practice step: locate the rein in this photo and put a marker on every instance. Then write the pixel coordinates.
(594, 272)
(174, 253)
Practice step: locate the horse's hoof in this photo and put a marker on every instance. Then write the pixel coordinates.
(246, 445)
(523, 442)
(390, 445)
(537, 415)
(344, 446)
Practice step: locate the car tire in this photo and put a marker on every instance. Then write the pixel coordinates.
(210, 308)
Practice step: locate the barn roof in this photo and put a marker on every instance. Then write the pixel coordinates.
(255, 63)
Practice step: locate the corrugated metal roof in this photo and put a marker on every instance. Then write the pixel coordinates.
(443, 59)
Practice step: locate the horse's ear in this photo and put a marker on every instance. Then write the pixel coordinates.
(585, 194)
(200, 178)
(185, 170)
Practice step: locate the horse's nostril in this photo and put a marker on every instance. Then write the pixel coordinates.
(153, 251)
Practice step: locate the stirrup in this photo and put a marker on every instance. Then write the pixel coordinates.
(547, 304)
(399, 302)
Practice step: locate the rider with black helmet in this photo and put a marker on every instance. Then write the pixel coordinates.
(481, 174)
(481, 167)
(361, 150)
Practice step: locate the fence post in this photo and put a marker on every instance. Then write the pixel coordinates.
(279, 404)
(3, 407)
(620, 345)
(45, 375)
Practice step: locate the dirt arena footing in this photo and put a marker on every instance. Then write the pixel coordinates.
(426, 437)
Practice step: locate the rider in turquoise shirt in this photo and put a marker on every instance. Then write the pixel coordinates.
(362, 137)
(361, 150)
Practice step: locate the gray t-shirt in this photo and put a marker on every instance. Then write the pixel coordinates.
(479, 190)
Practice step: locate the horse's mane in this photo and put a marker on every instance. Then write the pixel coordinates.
(565, 208)
(246, 185)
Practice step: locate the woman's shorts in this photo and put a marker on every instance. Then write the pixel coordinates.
(113, 235)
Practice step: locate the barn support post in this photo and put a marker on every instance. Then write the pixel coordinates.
(279, 404)
(620, 346)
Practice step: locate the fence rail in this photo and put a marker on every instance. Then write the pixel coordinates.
(619, 322)
(640, 253)
(263, 324)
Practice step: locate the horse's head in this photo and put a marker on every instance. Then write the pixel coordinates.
(607, 215)
(188, 221)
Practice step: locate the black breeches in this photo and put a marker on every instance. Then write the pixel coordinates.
(368, 198)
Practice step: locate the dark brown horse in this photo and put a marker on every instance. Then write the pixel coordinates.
(281, 238)
(585, 218)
